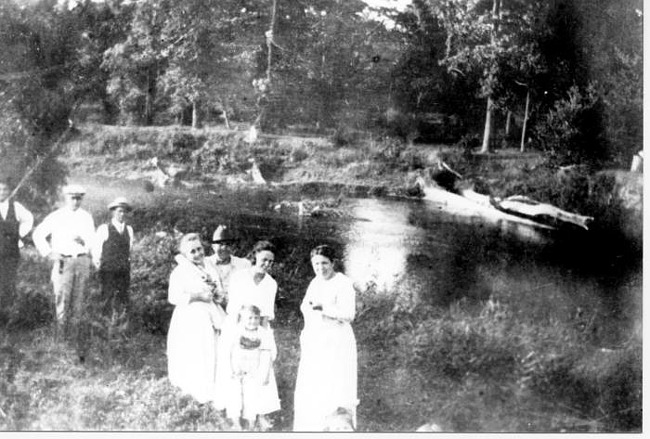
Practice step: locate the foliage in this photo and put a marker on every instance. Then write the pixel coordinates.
(570, 133)
(136, 63)
(330, 53)
(38, 94)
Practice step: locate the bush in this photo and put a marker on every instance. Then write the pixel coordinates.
(571, 133)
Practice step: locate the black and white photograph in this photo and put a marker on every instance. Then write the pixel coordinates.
(319, 216)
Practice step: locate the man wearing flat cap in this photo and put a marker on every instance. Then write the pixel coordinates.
(111, 254)
(223, 263)
(70, 230)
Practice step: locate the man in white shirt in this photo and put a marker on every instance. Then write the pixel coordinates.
(111, 254)
(223, 263)
(71, 230)
(15, 223)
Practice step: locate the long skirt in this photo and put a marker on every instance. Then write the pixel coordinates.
(192, 351)
(327, 376)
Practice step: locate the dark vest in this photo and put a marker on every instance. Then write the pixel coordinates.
(115, 251)
(9, 235)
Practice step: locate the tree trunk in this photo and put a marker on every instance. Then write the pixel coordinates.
(523, 128)
(224, 107)
(196, 116)
(508, 123)
(488, 127)
(485, 148)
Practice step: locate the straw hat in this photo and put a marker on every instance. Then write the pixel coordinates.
(120, 202)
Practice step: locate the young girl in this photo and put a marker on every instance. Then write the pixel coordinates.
(253, 286)
(327, 373)
(250, 351)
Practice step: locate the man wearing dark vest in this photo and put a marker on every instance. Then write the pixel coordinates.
(15, 223)
(111, 255)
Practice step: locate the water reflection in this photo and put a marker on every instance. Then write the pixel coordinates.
(414, 251)
(378, 243)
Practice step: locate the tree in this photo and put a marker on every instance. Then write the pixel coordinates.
(327, 64)
(206, 45)
(493, 37)
(135, 64)
(39, 93)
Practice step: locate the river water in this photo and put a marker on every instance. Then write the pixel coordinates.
(414, 247)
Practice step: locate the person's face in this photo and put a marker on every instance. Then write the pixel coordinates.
(323, 267)
(250, 320)
(223, 250)
(4, 192)
(264, 260)
(194, 252)
(74, 201)
(119, 214)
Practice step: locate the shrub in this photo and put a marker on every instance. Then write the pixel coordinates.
(571, 133)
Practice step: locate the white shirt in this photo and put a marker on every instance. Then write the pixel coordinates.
(23, 216)
(63, 226)
(244, 291)
(102, 235)
(223, 272)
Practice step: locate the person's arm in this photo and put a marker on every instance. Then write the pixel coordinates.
(234, 288)
(269, 311)
(87, 232)
(98, 244)
(40, 234)
(176, 294)
(130, 232)
(25, 219)
(268, 352)
(342, 308)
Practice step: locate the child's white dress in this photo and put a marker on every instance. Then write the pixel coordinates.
(327, 373)
(244, 388)
(244, 291)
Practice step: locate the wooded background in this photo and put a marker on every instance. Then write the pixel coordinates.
(468, 71)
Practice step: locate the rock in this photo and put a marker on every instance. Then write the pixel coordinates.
(619, 195)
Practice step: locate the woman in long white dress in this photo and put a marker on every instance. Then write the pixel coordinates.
(327, 373)
(195, 324)
(253, 286)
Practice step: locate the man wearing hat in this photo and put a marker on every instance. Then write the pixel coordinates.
(15, 223)
(111, 252)
(71, 230)
(223, 263)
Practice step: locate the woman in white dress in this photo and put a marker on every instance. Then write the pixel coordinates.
(327, 373)
(195, 324)
(253, 286)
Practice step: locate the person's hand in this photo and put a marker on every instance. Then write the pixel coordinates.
(316, 306)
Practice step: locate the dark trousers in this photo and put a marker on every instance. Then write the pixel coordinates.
(115, 291)
(8, 269)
